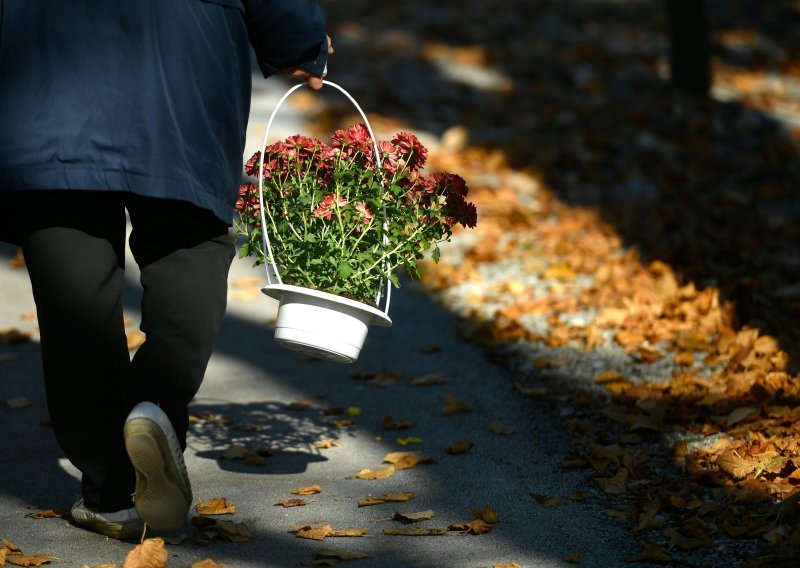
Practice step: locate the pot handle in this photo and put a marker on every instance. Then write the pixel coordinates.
(275, 272)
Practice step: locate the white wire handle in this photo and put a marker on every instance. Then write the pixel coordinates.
(264, 234)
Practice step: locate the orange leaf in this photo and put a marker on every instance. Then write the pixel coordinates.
(477, 526)
(207, 563)
(398, 497)
(150, 554)
(286, 503)
(452, 405)
(216, 506)
(614, 485)
(406, 460)
(460, 447)
(486, 514)
(314, 532)
(370, 501)
(376, 474)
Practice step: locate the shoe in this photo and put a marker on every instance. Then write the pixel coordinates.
(122, 524)
(163, 492)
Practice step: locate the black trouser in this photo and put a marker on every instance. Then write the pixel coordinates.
(74, 245)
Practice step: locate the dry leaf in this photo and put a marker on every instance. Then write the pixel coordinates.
(349, 533)
(12, 335)
(314, 532)
(477, 526)
(740, 414)
(734, 465)
(234, 452)
(18, 402)
(398, 497)
(486, 514)
(460, 447)
(233, 532)
(452, 405)
(286, 503)
(310, 490)
(546, 500)
(370, 501)
(614, 485)
(299, 405)
(376, 474)
(573, 558)
(415, 531)
(216, 506)
(30, 560)
(501, 430)
(408, 518)
(325, 444)
(44, 514)
(406, 460)
(390, 423)
(578, 496)
(408, 440)
(202, 522)
(507, 565)
(150, 554)
(431, 379)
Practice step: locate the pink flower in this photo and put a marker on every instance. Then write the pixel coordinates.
(324, 209)
(410, 150)
(366, 214)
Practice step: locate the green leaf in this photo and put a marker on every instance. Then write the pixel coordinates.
(435, 254)
(345, 270)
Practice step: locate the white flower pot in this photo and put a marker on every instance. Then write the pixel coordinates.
(321, 324)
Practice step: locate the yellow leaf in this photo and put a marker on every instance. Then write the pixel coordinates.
(546, 500)
(740, 414)
(409, 440)
(452, 405)
(348, 533)
(486, 514)
(325, 444)
(406, 460)
(377, 474)
(370, 501)
(314, 532)
(310, 490)
(460, 447)
(354, 411)
(398, 497)
(150, 554)
(216, 506)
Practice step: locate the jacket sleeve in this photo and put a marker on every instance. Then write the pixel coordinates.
(287, 33)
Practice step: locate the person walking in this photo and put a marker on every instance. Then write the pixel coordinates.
(137, 106)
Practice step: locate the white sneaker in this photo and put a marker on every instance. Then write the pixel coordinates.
(122, 524)
(163, 492)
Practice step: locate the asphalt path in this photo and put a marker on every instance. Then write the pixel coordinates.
(247, 399)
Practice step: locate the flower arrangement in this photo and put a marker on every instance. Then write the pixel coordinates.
(341, 223)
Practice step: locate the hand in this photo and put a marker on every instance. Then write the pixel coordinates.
(314, 81)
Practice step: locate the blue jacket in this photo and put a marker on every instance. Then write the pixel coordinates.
(146, 96)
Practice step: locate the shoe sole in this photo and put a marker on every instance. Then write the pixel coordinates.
(162, 498)
(110, 529)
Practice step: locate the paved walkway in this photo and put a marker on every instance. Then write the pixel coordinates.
(252, 382)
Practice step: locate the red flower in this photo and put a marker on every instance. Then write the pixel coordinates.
(411, 150)
(324, 209)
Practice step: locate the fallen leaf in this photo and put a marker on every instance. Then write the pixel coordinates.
(734, 465)
(216, 506)
(370, 501)
(431, 348)
(325, 444)
(234, 452)
(18, 402)
(318, 532)
(234, 532)
(202, 521)
(546, 500)
(150, 554)
(740, 414)
(354, 411)
(573, 558)
(486, 514)
(376, 474)
(507, 565)
(398, 497)
(477, 526)
(460, 447)
(414, 531)
(614, 485)
(431, 379)
(408, 518)
(286, 503)
(452, 405)
(499, 429)
(310, 490)
(408, 440)
(578, 496)
(390, 423)
(44, 514)
(21, 560)
(11, 336)
(349, 533)
(406, 460)
(299, 405)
